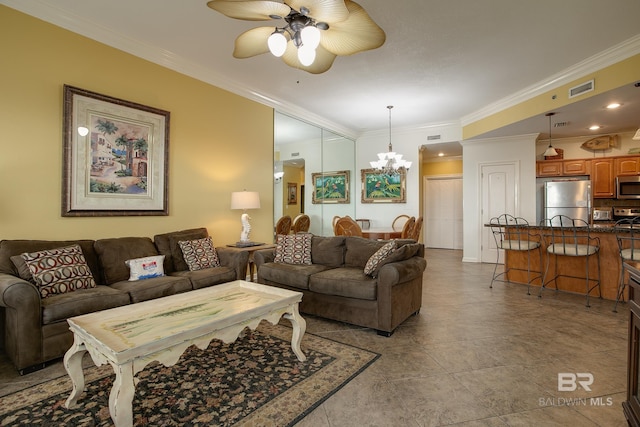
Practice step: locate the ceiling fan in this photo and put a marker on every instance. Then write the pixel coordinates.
(314, 32)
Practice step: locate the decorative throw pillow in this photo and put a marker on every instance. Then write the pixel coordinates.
(199, 254)
(380, 255)
(293, 248)
(61, 270)
(145, 268)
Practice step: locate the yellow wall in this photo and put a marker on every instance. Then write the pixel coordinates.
(219, 142)
(450, 167)
(606, 79)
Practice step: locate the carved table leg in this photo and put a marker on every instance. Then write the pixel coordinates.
(121, 397)
(73, 365)
(299, 327)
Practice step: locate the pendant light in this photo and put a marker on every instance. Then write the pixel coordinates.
(391, 163)
(550, 151)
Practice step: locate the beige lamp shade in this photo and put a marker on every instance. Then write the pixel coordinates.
(245, 200)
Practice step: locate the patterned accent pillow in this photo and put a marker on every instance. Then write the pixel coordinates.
(199, 254)
(58, 271)
(293, 248)
(145, 268)
(380, 255)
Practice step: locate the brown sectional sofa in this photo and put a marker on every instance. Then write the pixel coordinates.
(335, 286)
(35, 329)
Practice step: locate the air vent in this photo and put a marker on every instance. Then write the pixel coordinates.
(560, 124)
(295, 154)
(433, 137)
(581, 88)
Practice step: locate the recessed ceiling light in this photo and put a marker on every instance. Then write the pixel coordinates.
(613, 105)
(595, 127)
(440, 154)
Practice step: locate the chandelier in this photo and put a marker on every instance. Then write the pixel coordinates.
(390, 163)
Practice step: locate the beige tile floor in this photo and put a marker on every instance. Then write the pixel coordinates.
(474, 356)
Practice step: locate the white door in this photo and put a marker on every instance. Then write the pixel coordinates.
(499, 196)
(443, 213)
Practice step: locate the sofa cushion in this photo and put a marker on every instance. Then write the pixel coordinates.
(350, 282)
(328, 251)
(63, 306)
(208, 276)
(359, 250)
(143, 290)
(60, 270)
(145, 268)
(9, 248)
(112, 254)
(167, 245)
(294, 248)
(381, 254)
(199, 254)
(295, 276)
(23, 269)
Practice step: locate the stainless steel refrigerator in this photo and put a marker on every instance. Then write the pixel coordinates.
(570, 198)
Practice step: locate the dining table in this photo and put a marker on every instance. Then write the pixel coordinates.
(383, 233)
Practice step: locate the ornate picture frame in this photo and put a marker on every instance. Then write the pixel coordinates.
(116, 156)
(330, 187)
(292, 193)
(378, 187)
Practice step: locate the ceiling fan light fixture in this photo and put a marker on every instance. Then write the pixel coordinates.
(277, 43)
(310, 36)
(306, 55)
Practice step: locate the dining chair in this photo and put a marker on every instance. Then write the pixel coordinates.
(416, 229)
(283, 226)
(628, 237)
(570, 237)
(301, 224)
(514, 234)
(406, 229)
(346, 226)
(399, 221)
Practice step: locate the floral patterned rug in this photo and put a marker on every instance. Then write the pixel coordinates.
(256, 380)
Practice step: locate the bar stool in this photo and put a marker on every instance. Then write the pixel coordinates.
(570, 237)
(628, 236)
(514, 234)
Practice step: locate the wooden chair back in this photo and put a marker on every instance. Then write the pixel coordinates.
(408, 226)
(283, 226)
(346, 226)
(301, 224)
(399, 222)
(416, 229)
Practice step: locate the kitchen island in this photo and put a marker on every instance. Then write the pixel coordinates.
(573, 266)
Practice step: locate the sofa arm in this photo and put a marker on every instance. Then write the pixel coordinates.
(402, 271)
(23, 321)
(234, 258)
(263, 256)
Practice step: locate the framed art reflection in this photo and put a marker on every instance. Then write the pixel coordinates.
(330, 187)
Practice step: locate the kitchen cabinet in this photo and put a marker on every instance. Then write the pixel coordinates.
(549, 168)
(574, 167)
(631, 406)
(602, 178)
(627, 165)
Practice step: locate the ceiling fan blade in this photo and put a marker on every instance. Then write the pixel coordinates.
(329, 11)
(252, 42)
(250, 10)
(356, 34)
(324, 59)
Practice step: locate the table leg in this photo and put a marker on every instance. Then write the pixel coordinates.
(121, 397)
(73, 365)
(299, 327)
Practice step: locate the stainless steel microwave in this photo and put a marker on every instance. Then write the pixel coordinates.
(628, 187)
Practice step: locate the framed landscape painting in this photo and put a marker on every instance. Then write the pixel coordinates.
(378, 187)
(115, 156)
(330, 187)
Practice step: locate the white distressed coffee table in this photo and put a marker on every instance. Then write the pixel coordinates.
(132, 336)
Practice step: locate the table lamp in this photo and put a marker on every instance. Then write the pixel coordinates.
(245, 200)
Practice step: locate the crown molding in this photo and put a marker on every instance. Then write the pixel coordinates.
(167, 59)
(613, 55)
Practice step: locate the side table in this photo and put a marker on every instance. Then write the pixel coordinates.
(251, 250)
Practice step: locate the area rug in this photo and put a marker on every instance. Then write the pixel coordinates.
(255, 381)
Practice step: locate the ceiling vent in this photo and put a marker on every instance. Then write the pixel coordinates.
(560, 124)
(433, 137)
(581, 89)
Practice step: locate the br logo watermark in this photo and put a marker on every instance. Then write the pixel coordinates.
(568, 381)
